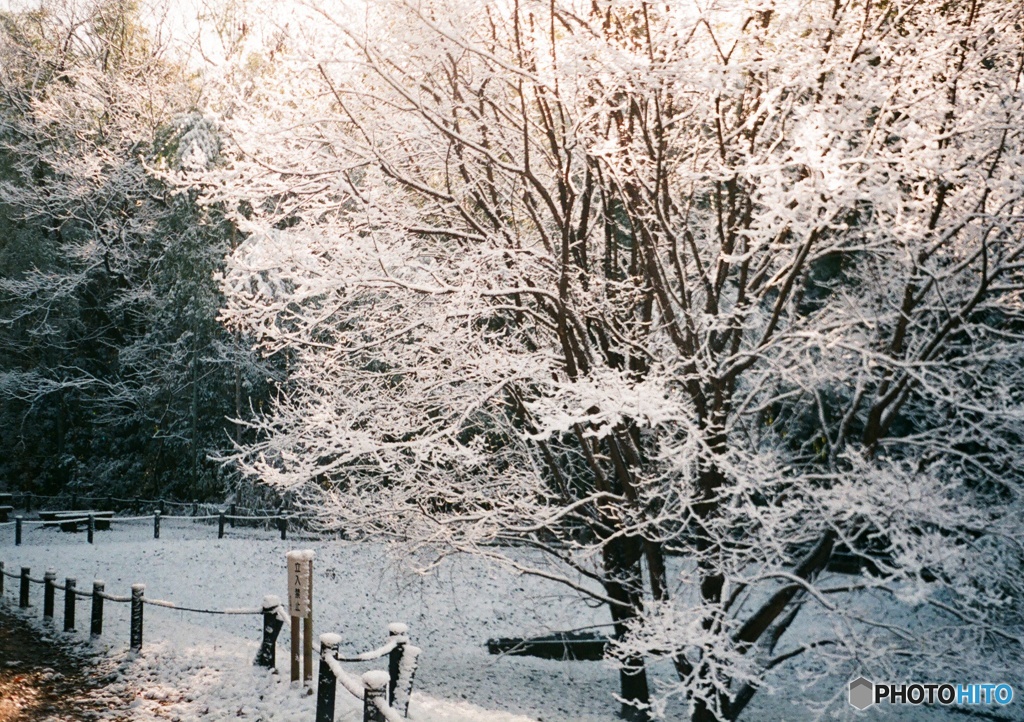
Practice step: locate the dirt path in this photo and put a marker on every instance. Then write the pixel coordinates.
(41, 679)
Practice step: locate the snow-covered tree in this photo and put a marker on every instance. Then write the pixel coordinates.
(699, 299)
(113, 369)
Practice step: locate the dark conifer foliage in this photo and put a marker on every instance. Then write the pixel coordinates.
(115, 374)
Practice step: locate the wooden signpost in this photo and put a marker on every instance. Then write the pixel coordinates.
(300, 607)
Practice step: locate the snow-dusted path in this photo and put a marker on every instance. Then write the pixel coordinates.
(41, 679)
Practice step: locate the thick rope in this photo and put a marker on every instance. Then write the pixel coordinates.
(193, 518)
(114, 597)
(389, 712)
(350, 682)
(172, 605)
(376, 653)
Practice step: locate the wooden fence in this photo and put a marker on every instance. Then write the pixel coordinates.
(271, 605)
(30, 501)
(93, 520)
(385, 694)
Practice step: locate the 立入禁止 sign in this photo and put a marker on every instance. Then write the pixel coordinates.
(300, 583)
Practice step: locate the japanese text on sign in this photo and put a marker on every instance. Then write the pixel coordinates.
(300, 577)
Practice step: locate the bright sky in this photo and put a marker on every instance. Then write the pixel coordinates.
(205, 31)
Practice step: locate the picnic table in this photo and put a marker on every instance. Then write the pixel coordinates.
(72, 520)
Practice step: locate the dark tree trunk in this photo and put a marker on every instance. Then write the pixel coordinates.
(624, 583)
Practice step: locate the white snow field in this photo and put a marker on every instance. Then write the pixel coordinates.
(199, 666)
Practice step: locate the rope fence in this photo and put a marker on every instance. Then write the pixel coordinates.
(101, 520)
(71, 501)
(372, 655)
(29, 500)
(173, 605)
(384, 694)
(272, 610)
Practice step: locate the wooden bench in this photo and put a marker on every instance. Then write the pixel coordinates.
(5, 512)
(559, 646)
(73, 520)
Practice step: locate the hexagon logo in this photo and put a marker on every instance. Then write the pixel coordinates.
(862, 693)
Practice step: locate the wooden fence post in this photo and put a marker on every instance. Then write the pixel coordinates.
(272, 623)
(282, 524)
(69, 603)
(156, 523)
(307, 649)
(300, 608)
(232, 511)
(1, 578)
(296, 655)
(136, 632)
(49, 577)
(17, 530)
(396, 629)
(28, 502)
(92, 528)
(402, 666)
(23, 591)
(195, 507)
(375, 684)
(96, 627)
(220, 525)
(327, 683)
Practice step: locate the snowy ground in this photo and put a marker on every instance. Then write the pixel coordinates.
(199, 667)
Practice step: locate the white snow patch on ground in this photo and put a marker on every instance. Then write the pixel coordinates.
(199, 667)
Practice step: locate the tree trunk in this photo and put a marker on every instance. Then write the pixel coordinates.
(623, 583)
(238, 390)
(710, 480)
(194, 415)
